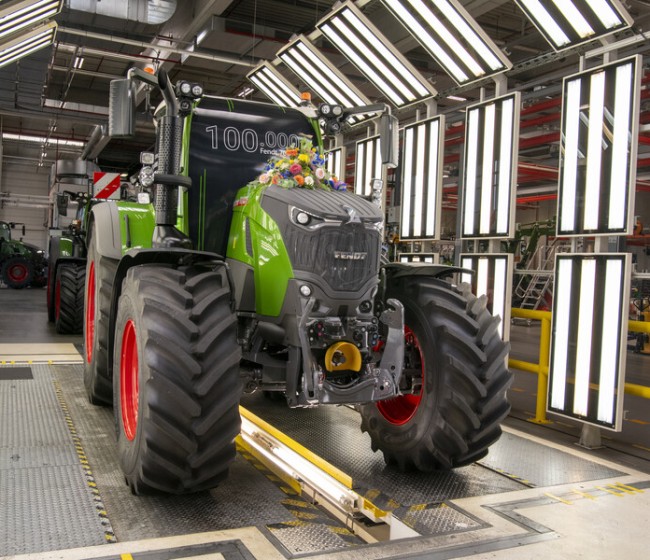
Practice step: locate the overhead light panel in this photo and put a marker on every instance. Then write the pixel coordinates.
(27, 43)
(367, 165)
(272, 84)
(566, 23)
(492, 277)
(452, 37)
(321, 76)
(598, 148)
(491, 148)
(429, 258)
(374, 56)
(588, 346)
(25, 15)
(421, 164)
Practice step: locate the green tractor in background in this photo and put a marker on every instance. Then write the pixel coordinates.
(21, 264)
(215, 288)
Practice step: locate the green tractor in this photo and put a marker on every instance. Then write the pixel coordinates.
(217, 288)
(21, 264)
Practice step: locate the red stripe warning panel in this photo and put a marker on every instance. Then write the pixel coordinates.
(106, 185)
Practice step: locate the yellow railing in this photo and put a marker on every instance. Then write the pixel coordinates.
(541, 369)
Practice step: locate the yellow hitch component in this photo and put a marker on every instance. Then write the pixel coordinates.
(343, 355)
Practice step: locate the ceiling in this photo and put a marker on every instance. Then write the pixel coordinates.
(45, 95)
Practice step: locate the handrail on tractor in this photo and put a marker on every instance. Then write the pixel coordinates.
(541, 368)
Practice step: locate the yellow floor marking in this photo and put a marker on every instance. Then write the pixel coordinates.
(584, 494)
(642, 422)
(632, 489)
(517, 390)
(126, 556)
(640, 447)
(567, 502)
(617, 494)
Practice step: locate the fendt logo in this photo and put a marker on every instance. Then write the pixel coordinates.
(349, 256)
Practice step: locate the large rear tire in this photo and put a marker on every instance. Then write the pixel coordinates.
(453, 346)
(17, 272)
(69, 298)
(176, 379)
(100, 274)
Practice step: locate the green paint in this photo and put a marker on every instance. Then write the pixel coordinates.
(270, 261)
(65, 246)
(141, 224)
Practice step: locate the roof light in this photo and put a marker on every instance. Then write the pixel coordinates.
(452, 37)
(28, 43)
(27, 15)
(569, 22)
(271, 83)
(367, 48)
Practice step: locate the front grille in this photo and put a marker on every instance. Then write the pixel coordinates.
(344, 256)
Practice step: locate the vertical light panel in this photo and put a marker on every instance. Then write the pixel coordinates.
(452, 37)
(489, 175)
(598, 150)
(588, 344)
(566, 23)
(335, 163)
(492, 277)
(421, 179)
(367, 165)
(428, 258)
(373, 54)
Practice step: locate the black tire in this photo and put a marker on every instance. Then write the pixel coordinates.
(69, 298)
(453, 341)
(176, 334)
(100, 273)
(17, 272)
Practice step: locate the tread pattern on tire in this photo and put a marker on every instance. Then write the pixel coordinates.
(97, 377)
(465, 354)
(71, 281)
(189, 411)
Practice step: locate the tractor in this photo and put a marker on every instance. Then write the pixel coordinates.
(21, 264)
(232, 280)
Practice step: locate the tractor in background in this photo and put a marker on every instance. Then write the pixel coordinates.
(241, 276)
(21, 264)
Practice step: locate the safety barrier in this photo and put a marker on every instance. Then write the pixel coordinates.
(541, 368)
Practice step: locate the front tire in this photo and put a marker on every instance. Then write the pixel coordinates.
(176, 379)
(100, 274)
(69, 298)
(453, 348)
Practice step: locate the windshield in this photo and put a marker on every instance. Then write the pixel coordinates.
(5, 232)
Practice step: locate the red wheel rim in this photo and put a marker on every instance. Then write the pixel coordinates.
(129, 385)
(90, 312)
(400, 410)
(17, 272)
(57, 300)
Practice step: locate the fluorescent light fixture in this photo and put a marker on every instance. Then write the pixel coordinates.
(26, 14)
(566, 23)
(589, 337)
(78, 62)
(28, 43)
(321, 76)
(42, 140)
(491, 147)
(428, 258)
(452, 37)
(422, 179)
(369, 50)
(492, 277)
(335, 163)
(598, 148)
(367, 165)
(272, 84)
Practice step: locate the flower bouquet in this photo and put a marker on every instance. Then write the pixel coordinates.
(302, 167)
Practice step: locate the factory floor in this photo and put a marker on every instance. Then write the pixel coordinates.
(536, 495)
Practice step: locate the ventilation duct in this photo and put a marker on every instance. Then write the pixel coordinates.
(151, 12)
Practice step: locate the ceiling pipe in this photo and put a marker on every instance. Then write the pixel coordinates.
(144, 45)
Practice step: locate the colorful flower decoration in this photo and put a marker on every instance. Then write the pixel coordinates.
(301, 166)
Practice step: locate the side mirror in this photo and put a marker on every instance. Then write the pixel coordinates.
(389, 139)
(121, 109)
(23, 230)
(62, 201)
